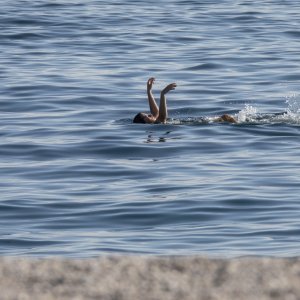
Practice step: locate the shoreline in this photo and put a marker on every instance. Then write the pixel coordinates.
(150, 277)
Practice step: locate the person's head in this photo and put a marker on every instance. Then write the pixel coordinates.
(139, 118)
(143, 118)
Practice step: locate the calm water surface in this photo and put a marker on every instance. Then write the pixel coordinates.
(78, 179)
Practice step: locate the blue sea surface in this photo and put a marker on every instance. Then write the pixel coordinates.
(79, 179)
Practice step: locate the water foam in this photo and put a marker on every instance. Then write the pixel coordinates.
(247, 114)
(250, 114)
(293, 102)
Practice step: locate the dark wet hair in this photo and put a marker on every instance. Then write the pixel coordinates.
(139, 118)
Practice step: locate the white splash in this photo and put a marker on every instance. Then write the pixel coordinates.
(247, 114)
(293, 102)
(292, 114)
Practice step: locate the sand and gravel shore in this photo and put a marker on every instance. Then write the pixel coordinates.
(143, 278)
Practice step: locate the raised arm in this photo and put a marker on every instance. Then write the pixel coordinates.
(163, 110)
(152, 104)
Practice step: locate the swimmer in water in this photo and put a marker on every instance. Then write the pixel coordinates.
(160, 114)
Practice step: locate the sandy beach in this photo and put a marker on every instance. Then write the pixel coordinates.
(135, 277)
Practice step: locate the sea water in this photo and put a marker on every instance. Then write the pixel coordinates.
(78, 179)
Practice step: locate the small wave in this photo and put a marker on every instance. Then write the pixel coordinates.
(205, 66)
(24, 36)
(293, 33)
(123, 121)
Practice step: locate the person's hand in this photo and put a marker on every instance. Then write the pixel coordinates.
(169, 88)
(150, 82)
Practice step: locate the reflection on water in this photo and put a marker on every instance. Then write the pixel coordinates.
(162, 138)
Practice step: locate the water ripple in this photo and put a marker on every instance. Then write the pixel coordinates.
(79, 179)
